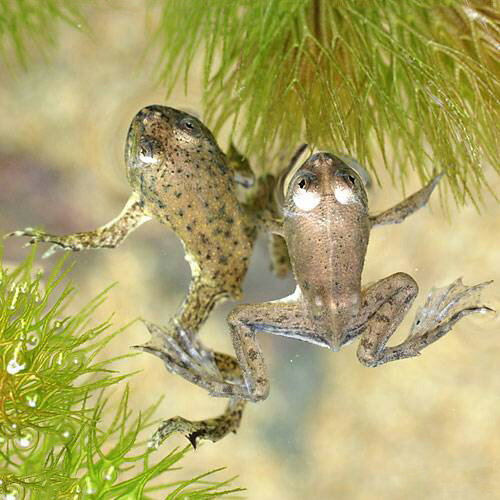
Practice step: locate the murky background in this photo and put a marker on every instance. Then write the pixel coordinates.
(421, 428)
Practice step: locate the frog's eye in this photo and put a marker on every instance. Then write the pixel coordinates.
(190, 125)
(303, 182)
(349, 176)
(304, 197)
(147, 150)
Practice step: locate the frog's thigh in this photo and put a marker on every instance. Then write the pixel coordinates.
(245, 321)
(280, 260)
(385, 304)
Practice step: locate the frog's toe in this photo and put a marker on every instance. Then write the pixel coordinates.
(181, 346)
(448, 304)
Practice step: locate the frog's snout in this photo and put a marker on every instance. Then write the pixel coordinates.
(321, 157)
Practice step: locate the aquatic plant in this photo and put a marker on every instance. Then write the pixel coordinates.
(414, 81)
(398, 85)
(25, 24)
(54, 394)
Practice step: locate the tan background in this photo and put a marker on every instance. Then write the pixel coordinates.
(422, 428)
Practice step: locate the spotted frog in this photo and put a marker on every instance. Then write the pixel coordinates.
(180, 177)
(326, 226)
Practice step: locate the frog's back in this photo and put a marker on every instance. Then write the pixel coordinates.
(176, 166)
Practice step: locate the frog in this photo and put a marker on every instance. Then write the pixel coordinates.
(180, 177)
(326, 225)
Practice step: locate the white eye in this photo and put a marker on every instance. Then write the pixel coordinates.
(305, 200)
(344, 195)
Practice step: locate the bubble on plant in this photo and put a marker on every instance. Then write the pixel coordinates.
(89, 487)
(12, 492)
(32, 399)
(76, 360)
(66, 431)
(58, 359)
(26, 439)
(32, 341)
(110, 474)
(14, 366)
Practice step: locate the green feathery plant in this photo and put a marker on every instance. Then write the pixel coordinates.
(25, 24)
(416, 80)
(53, 443)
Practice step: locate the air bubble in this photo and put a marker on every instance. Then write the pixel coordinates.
(12, 492)
(32, 341)
(32, 400)
(26, 439)
(58, 359)
(14, 366)
(66, 431)
(76, 360)
(110, 474)
(89, 487)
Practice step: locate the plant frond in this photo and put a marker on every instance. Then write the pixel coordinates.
(415, 82)
(53, 442)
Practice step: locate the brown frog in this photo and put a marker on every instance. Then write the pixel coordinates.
(326, 226)
(180, 176)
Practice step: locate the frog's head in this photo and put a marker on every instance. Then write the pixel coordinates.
(323, 177)
(159, 137)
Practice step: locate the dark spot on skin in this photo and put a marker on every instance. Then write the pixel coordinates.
(178, 194)
(223, 259)
(180, 212)
(189, 228)
(252, 354)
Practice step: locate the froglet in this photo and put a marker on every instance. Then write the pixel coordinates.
(180, 177)
(326, 225)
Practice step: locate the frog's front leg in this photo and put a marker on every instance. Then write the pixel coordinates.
(408, 206)
(386, 303)
(107, 236)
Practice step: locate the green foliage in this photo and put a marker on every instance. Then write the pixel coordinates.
(53, 441)
(414, 80)
(31, 23)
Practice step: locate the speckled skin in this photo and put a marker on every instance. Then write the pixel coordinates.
(190, 188)
(180, 176)
(326, 226)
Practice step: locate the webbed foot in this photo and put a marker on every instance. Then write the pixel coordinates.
(443, 308)
(186, 356)
(211, 429)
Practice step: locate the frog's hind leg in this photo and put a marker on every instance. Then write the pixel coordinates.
(211, 429)
(108, 236)
(185, 355)
(202, 367)
(280, 260)
(387, 302)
